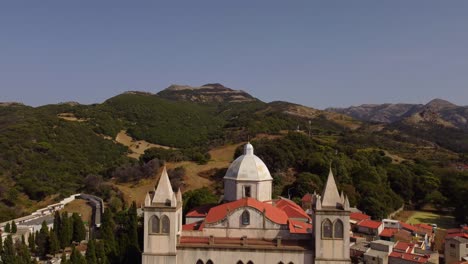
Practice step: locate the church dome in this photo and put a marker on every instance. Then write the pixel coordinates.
(248, 167)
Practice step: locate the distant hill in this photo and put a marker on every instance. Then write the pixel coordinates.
(437, 111)
(208, 93)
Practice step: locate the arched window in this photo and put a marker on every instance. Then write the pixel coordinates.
(200, 261)
(281, 262)
(327, 228)
(209, 262)
(165, 228)
(240, 262)
(154, 225)
(338, 229)
(250, 262)
(245, 218)
(291, 262)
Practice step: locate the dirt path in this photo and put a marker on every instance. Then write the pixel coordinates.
(136, 147)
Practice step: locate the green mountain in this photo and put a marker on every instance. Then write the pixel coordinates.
(58, 149)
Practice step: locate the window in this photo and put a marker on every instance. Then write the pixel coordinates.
(245, 218)
(338, 229)
(452, 245)
(154, 224)
(326, 228)
(165, 225)
(199, 261)
(209, 262)
(290, 262)
(281, 262)
(250, 262)
(240, 262)
(247, 192)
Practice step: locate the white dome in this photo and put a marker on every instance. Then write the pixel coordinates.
(248, 167)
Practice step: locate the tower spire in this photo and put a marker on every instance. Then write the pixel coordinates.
(331, 197)
(164, 193)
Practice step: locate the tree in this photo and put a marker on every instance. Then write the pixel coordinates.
(57, 223)
(198, 197)
(66, 230)
(91, 253)
(8, 254)
(100, 253)
(64, 259)
(31, 243)
(7, 228)
(79, 230)
(76, 257)
(24, 256)
(107, 234)
(54, 243)
(133, 225)
(42, 240)
(14, 228)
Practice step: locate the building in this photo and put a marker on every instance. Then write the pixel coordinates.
(249, 226)
(456, 249)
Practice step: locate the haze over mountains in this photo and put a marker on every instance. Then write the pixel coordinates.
(437, 111)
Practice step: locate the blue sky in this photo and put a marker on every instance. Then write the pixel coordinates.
(316, 53)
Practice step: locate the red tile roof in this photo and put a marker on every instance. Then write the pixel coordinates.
(197, 226)
(291, 209)
(200, 211)
(274, 214)
(464, 235)
(370, 224)
(388, 232)
(408, 227)
(402, 246)
(358, 216)
(409, 257)
(298, 227)
(424, 226)
(307, 198)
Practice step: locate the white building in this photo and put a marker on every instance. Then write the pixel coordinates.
(249, 227)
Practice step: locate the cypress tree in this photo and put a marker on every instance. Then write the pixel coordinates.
(66, 231)
(101, 253)
(76, 257)
(8, 254)
(91, 252)
(79, 230)
(14, 228)
(133, 225)
(24, 257)
(1, 246)
(42, 240)
(31, 243)
(107, 233)
(57, 223)
(64, 259)
(54, 243)
(7, 228)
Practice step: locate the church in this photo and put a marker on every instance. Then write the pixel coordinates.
(248, 227)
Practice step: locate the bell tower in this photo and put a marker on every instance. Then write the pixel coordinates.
(162, 223)
(331, 225)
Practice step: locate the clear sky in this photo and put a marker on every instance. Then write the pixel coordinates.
(316, 53)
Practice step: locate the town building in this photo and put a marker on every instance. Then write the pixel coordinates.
(248, 226)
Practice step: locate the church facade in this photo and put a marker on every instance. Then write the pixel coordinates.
(248, 227)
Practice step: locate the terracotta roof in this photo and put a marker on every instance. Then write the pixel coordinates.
(369, 224)
(402, 246)
(197, 226)
(424, 226)
(451, 235)
(291, 209)
(358, 216)
(200, 211)
(388, 232)
(307, 198)
(408, 227)
(403, 235)
(298, 227)
(219, 212)
(409, 257)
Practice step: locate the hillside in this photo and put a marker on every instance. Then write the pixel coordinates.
(107, 148)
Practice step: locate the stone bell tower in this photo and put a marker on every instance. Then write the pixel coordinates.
(162, 223)
(331, 225)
